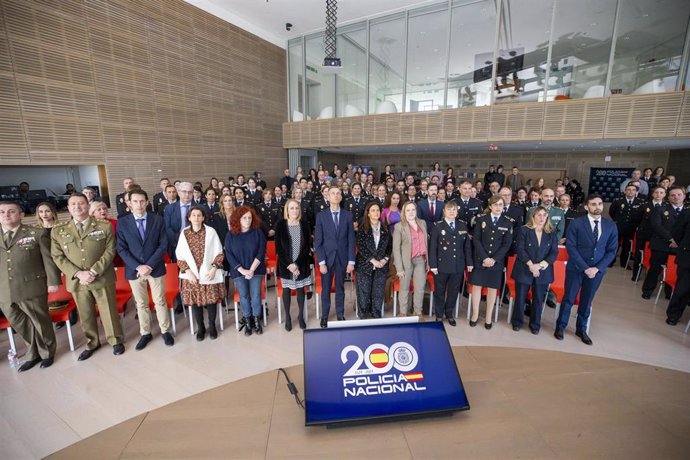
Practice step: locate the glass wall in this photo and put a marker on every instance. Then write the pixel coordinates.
(649, 45)
(296, 79)
(581, 48)
(427, 54)
(386, 63)
(473, 32)
(424, 59)
(320, 85)
(351, 82)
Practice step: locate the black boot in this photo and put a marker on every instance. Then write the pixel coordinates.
(212, 310)
(248, 325)
(198, 313)
(257, 326)
(286, 304)
(300, 306)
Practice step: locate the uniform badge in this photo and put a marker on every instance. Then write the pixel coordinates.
(443, 232)
(483, 225)
(647, 210)
(666, 213)
(445, 248)
(622, 206)
(121, 200)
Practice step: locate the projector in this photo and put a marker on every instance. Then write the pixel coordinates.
(331, 65)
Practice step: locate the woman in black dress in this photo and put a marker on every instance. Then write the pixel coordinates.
(293, 248)
(492, 238)
(374, 246)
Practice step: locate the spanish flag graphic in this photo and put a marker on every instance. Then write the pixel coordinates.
(378, 357)
(414, 376)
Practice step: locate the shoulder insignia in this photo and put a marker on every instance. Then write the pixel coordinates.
(510, 218)
(61, 224)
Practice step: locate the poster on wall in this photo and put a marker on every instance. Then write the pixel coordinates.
(607, 181)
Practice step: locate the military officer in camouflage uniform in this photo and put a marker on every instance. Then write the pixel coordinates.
(27, 274)
(83, 249)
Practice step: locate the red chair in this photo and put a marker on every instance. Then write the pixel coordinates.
(558, 287)
(279, 300)
(172, 289)
(396, 289)
(271, 257)
(669, 276)
(62, 314)
(5, 324)
(562, 253)
(236, 300)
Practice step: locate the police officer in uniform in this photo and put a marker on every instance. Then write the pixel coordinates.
(468, 208)
(644, 230)
(83, 249)
(450, 250)
(626, 212)
(160, 197)
(356, 204)
(305, 206)
(270, 214)
(681, 294)
(662, 242)
(27, 274)
(321, 203)
(121, 198)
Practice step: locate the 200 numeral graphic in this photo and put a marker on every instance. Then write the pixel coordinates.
(379, 359)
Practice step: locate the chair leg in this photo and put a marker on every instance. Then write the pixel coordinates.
(511, 301)
(172, 319)
(687, 328)
(191, 319)
(395, 304)
(69, 335)
(556, 311)
(219, 306)
(280, 316)
(469, 306)
(237, 320)
(661, 288)
(316, 305)
(431, 302)
(306, 308)
(13, 346)
(122, 323)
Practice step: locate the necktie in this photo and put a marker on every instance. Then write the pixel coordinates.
(452, 226)
(335, 220)
(80, 228)
(678, 210)
(432, 209)
(8, 238)
(183, 213)
(630, 202)
(657, 205)
(495, 220)
(505, 210)
(596, 230)
(140, 227)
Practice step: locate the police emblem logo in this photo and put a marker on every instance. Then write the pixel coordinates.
(443, 232)
(622, 206)
(666, 213)
(483, 224)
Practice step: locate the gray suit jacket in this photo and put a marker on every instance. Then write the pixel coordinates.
(402, 245)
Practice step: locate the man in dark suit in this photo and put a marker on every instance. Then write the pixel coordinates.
(626, 212)
(681, 294)
(170, 198)
(449, 253)
(287, 180)
(334, 244)
(644, 230)
(121, 199)
(356, 204)
(27, 275)
(514, 212)
(176, 216)
(241, 199)
(662, 242)
(430, 210)
(141, 243)
(515, 180)
(160, 197)
(468, 208)
(592, 245)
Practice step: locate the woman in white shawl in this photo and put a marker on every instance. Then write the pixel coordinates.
(200, 259)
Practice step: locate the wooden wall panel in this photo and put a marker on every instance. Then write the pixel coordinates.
(148, 88)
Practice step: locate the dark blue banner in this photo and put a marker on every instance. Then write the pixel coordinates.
(607, 181)
(358, 373)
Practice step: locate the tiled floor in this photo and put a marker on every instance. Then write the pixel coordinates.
(44, 410)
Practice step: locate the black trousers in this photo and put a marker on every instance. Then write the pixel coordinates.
(681, 295)
(652, 279)
(626, 246)
(370, 292)
(539, 291)
(446, 291)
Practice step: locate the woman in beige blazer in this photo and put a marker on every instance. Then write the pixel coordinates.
(410, 251)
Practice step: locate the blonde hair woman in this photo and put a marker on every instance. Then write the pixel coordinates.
(410, 256)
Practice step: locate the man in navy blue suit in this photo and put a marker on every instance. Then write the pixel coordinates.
(430, 209)
(175, 215)
(141, 243)
(592, 246)
(334, 243)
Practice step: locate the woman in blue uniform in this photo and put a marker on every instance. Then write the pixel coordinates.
(492, 238)
(536, 248)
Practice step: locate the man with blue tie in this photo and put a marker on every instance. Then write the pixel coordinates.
(141, 243)
(334, 244)
(176, 215)
(592, 246)
(430, 209)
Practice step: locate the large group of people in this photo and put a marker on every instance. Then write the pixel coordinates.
(328, 226)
